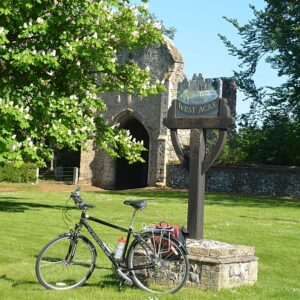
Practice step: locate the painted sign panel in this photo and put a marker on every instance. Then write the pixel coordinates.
(200, 100)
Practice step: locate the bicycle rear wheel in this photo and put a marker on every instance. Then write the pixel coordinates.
(65, 262)
(158, 264)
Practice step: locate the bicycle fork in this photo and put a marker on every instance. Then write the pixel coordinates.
(71, 252)
(73, 245)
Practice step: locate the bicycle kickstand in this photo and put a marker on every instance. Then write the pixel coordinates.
(121, 284)
(125, 279)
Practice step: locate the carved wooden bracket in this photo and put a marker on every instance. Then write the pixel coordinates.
(222, 122)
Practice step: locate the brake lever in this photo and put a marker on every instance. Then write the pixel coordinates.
(79, 202)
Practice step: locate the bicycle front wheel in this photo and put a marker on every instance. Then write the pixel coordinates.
(65, 262)
(158, 264)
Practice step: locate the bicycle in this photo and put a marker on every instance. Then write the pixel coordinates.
(154, 260)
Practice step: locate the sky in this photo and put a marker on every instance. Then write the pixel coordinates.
(197, 24)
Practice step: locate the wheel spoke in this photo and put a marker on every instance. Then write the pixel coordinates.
(170, 264)
(55, 272)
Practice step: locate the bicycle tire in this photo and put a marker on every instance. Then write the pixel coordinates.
(61, 266)
(158, 264)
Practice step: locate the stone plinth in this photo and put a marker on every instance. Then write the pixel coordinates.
(215, 265)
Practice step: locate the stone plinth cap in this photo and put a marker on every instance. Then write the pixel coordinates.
(215, 251)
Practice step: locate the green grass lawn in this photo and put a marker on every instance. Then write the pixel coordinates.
(31, 215)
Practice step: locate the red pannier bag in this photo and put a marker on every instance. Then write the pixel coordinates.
(168, 230)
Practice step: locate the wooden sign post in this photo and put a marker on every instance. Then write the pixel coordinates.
(198, 115)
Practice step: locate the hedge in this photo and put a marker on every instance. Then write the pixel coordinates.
(9, 172)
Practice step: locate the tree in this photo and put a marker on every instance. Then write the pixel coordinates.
(56, 58)
(167, 31)
(269, 133)
(274, 34)
(274, 143)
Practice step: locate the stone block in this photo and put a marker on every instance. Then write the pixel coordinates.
(215, 265)
(253, 270)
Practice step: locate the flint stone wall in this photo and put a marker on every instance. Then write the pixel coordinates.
(249, 180)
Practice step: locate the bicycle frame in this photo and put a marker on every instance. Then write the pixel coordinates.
(109, 254)
(148, 256)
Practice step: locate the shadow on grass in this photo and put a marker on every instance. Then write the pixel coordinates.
(289, 220)
(15, 283)
(112, 281)
(250, 201)
(150, 194)
(8, 204)
(210, 199)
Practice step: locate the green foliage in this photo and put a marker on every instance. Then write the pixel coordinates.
(56, 58)
(274, 34)
(231, 152)
(275, 143)
(167, 31)
(10, 172)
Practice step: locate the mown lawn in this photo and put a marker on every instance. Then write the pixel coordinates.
(31, 215)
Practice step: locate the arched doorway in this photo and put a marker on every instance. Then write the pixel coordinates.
(67, 158)
(135, 175)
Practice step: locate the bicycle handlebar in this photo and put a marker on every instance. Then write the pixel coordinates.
(79, 201)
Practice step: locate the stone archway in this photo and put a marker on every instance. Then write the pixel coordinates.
(135, 175)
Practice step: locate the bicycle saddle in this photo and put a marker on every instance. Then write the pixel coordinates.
(138, 204)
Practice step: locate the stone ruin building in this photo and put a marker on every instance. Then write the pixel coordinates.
(144, 119)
